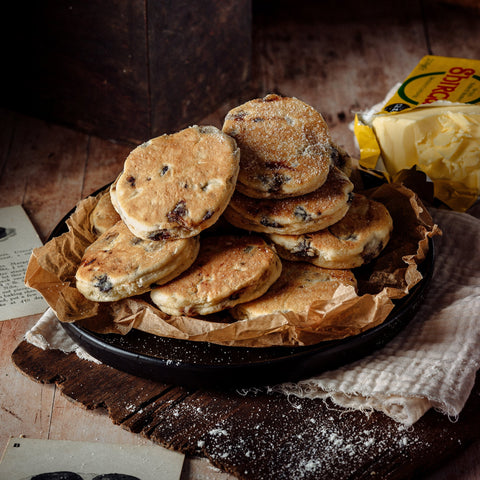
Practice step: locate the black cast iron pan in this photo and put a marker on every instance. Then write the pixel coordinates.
(206, 365)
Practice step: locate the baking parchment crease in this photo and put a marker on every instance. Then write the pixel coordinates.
(52, 267)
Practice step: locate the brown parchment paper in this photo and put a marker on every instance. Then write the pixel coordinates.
(51, 271)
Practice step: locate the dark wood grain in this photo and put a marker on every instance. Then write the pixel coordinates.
(200, 55)
(79, 63)
(453, 30)
(105, 162)
(340, 57)
(258, 435)
(42, 168)
(125, 70)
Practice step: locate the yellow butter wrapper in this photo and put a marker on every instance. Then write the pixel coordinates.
(370, 150)
(438, 79)
(432, 122)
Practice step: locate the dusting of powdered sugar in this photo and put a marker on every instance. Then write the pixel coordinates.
(305, 446)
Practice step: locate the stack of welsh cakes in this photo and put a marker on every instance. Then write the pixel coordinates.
(294, 188)
(173, 188)
(274, 173)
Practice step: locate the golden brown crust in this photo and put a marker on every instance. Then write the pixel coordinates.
(229, 270)
(285, 144)
(298, 286)
(175, 186)
(119, 265)
(357, 239)
(295, 215)
(104, 215)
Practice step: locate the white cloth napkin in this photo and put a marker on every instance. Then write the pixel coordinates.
(432, 363)
(47, 334)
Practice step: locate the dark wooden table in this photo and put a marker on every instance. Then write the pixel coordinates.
(337, 56)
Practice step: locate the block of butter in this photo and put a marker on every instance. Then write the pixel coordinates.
(432, 122)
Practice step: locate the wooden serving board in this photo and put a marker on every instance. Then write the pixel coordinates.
(259, 435)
